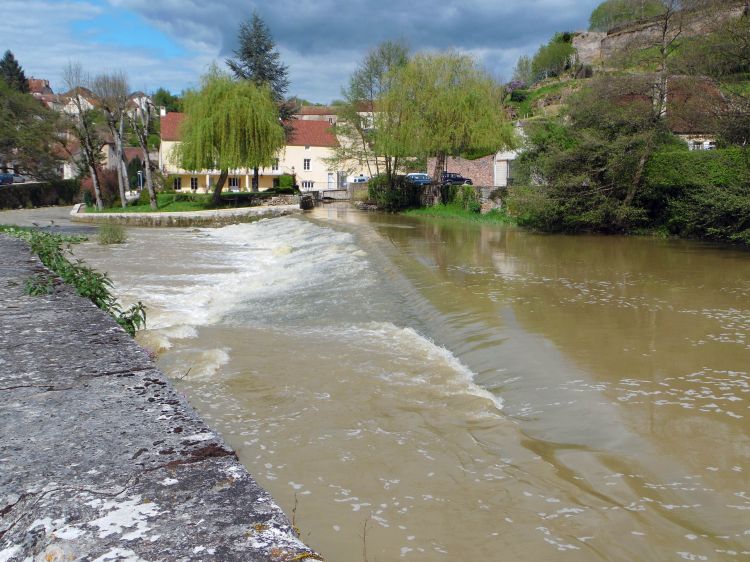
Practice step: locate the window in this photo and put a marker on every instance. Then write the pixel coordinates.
(306, 164)
(275, 165)
(193, 183)
(330, 120)
(308, 184)
(177, 183)
(234, 182)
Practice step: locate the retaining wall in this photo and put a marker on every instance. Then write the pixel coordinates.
(101, 458)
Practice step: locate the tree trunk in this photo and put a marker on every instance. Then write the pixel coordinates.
(120, 180)
(122, 167)
(256, 180)
(97, 188)
(150, 181)
(437, 177)
(216, 197)
(630, 195)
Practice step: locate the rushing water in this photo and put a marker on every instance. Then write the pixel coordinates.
(443, 391)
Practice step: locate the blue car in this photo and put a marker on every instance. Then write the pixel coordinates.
(6, 179)
(419, 179)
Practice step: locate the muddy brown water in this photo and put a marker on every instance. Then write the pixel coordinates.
(415, 390)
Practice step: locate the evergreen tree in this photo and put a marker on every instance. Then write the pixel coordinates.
(13, 74)
(164, 98)
(258, 61)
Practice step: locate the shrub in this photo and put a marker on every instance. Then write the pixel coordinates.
(519, 96)
(55, 192)
(402, 194)
(466, 197)
(286, 180)
(108, 186)
(111, 233)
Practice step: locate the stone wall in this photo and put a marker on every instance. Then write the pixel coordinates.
(101, 457)
(594, 47)
(480, 171)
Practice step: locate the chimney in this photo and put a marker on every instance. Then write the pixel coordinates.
(162, 111)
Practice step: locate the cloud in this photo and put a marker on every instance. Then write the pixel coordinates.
(322, 41)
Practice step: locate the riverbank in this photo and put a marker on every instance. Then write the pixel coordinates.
(456, 212)
(216, 217)
(102, 458)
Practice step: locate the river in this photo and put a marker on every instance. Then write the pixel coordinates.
(419, 390)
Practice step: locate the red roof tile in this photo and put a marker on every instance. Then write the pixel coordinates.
(170, 126)
(311, 133)
(316, 110)
(304, 133)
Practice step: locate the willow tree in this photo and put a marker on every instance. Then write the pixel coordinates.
(229, 125)
(441, 105)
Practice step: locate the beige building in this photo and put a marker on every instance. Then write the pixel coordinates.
(303, 157)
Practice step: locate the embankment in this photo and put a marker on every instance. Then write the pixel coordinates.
(101, 458)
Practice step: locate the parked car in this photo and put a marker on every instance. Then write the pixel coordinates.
(361, 178)
(452, 178)
(6, 179)
(18, 179)
(419, 179)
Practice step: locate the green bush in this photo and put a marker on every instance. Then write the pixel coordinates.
(55, 192)
(286, 180)
(466, 196)
(401, 194)
(111, 233)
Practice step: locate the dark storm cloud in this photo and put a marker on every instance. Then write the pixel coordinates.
(322, 40)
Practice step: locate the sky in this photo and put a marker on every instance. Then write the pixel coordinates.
(170, 43)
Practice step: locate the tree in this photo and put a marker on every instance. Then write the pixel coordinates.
(13, 74)
(164, 98)
(524, 71)
(111, 91)
(82, 122)
(141, 121)
(554, 58)
(358, 114)
(135, 166)
(228, 125)
(29, 134)
(440, 105)
(613, 13)
(257, 60)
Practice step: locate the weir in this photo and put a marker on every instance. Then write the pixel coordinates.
(100, 457)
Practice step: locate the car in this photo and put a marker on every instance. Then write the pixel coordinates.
(419, 178)
(361, 178)
(452, 178)
(6, 179)
(18, 179)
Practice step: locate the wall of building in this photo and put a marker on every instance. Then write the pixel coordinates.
(480, 171)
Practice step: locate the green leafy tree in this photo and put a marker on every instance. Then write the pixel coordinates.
(358, 114)
(441, 105)
(554, 58)
(29, 134)
(13, 74)
(228, 125)
(164, 98)
(258, 61)
(524, 71)
(614, 13)
(134, 166)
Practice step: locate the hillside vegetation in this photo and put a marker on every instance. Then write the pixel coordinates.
(602, 150)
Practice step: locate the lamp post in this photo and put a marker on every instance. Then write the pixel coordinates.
(294, 179)
(140, 180)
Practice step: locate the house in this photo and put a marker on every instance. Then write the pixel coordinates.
(317, 113)
(304, 157)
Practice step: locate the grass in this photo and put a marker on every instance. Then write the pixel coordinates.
(165, 202)
(526, 109)
(53, 251)
(456, 212)
(111, 233)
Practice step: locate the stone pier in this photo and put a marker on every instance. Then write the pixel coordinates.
(100, 458)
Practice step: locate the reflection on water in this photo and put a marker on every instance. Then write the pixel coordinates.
(465, 392)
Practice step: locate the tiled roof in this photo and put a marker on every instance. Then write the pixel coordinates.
(170, 126)
(304, 133)
(316, 110)
(311, 133)
(132, 152)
